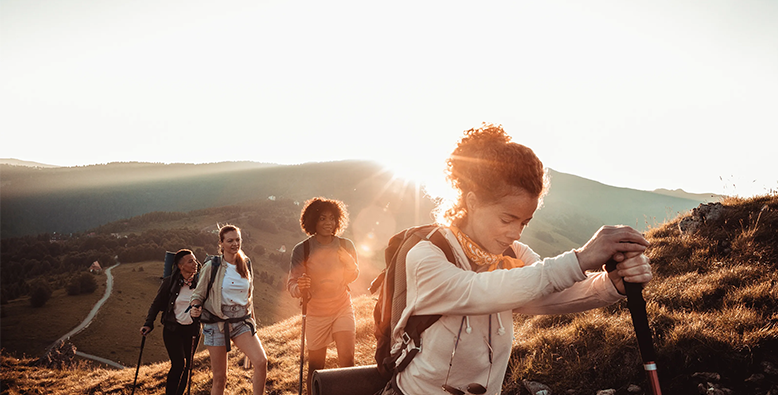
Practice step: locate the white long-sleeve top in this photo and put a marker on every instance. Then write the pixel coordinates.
(436, 286)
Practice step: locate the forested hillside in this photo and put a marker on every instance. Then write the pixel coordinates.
(75, 199)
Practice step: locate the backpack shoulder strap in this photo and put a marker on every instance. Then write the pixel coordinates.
(306, 251)
(440, 241)
(346, 246)
(419, 323)
(215, 263)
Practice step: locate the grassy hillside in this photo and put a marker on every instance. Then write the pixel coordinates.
(576, 207)
(713, 308)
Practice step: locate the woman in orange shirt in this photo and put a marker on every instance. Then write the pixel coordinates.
(322, 266)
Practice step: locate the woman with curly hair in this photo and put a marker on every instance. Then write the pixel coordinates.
(321, 268)
(499, 185)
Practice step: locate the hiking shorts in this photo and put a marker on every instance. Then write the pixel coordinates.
(213, 336)
(319, 330)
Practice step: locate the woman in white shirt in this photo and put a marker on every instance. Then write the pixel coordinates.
(180, 331)
(500, 185)
(226, 309)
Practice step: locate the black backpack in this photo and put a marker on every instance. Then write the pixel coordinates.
(391, 299)
(215, 263)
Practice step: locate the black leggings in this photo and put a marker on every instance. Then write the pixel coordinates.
(178, 343)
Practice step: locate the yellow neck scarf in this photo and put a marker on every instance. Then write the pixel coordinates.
(482, 258)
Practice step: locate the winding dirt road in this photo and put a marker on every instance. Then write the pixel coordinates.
(88, 320)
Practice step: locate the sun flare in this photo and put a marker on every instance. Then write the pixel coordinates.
(426, 175)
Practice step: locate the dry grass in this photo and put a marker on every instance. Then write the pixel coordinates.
(713, 307)
(281, 342)
(25, 333)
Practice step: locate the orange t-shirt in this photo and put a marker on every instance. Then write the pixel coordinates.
(331, 268)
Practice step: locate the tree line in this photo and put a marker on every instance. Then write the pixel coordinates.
(36, 265)
(57, 259)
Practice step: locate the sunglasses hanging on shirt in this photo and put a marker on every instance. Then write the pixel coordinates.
(472, 388)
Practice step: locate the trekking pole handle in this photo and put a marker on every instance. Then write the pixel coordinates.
(637, 309)
(197, 306)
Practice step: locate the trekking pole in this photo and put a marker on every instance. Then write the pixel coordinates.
(637, 309)
(191, 365)
(195, 321)
(305, 298)
(142, 343)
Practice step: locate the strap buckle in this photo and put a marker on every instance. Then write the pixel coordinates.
(408, 354)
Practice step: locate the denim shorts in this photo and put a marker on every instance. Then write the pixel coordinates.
(212, 336)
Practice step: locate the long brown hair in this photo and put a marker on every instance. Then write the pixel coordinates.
(241, 258)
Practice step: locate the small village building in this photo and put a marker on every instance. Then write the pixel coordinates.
(95, 268)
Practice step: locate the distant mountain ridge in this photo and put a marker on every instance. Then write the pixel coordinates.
(76, 199)
(18, 162)
(709, 197)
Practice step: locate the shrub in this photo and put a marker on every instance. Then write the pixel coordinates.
(40, 293)
(88, 283)
(73, 288)
(83, 283)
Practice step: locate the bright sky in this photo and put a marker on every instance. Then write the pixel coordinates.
(637, 94)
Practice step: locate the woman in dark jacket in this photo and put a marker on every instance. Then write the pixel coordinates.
(180, 332)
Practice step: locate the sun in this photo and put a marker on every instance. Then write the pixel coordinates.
(422, 173)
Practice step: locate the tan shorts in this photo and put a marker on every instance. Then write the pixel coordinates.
(319, 330)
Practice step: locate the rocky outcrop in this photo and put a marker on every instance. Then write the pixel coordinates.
(59, 356)
(701, 215)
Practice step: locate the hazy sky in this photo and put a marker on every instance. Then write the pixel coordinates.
(638, 94)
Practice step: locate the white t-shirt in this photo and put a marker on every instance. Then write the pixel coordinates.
(235, 289)
(182, 303)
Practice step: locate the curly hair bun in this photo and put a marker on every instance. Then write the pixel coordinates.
(485, 136)
(489, 164)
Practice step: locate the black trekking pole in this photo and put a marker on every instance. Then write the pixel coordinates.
(305, 298)
(637, 309)
(191, 360)
(142, 343)
(195, 337)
